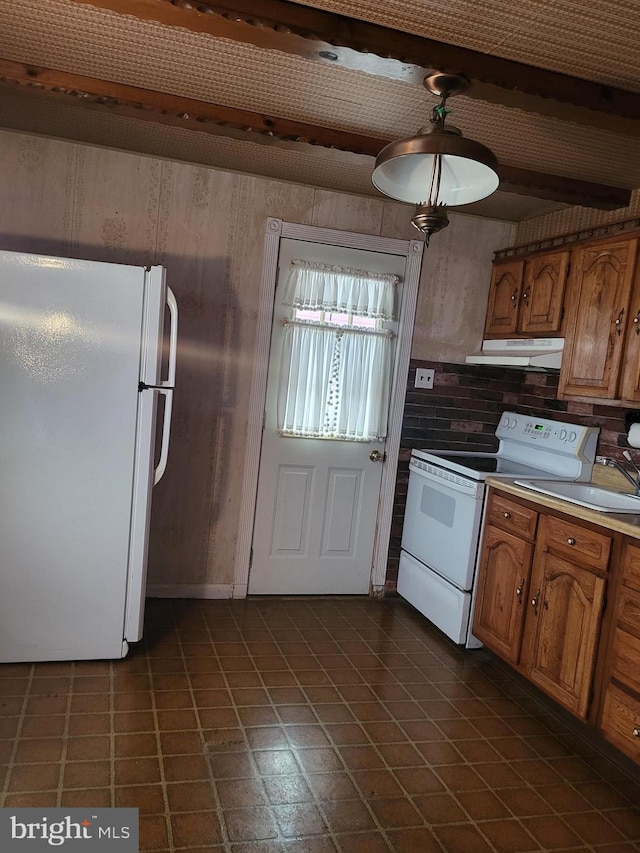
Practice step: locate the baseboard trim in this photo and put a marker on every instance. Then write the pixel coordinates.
(190, 590)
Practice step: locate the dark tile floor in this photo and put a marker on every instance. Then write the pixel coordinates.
(310, 726)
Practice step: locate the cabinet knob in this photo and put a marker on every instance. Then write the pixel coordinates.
(636, 322)
(525, 296)
(636, 731)
(535, 600)
(571, 541)
(519, 589)
(507, 514)
(514, 298)
(618, 323)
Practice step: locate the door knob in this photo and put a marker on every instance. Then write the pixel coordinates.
(376, 456)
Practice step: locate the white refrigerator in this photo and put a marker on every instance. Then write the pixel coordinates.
(81, 358)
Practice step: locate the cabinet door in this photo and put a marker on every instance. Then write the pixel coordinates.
(503, 583)
(630, 385)
(543, 293)
(599, 294)
(504, 298)
(563, 627)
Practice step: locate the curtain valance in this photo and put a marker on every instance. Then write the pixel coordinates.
(313, 286)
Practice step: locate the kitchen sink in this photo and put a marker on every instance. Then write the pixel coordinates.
(585, 494)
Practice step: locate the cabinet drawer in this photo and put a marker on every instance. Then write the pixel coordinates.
(577, 543)
(629, 611)
(621, 721)
(626, 659)
(631, 573)
(512, 517)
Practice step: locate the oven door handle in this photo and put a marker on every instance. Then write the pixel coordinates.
(454, 482)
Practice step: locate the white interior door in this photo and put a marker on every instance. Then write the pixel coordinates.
(317, 499)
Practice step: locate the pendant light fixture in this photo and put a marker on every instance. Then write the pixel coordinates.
(438, 168)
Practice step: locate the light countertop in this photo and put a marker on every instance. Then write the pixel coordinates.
(624, 523)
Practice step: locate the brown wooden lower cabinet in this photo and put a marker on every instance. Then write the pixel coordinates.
(563, 629)
(620, 721)
(541, 605)
(502, 592)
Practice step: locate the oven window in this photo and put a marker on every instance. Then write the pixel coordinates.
(439, 507)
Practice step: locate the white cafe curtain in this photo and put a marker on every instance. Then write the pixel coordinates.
(335, 381)
(323, 287)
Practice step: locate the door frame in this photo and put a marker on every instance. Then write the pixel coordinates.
(412, 250)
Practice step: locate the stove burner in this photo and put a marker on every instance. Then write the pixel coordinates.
(475, 463)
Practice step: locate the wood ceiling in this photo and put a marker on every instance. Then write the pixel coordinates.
(312, 93)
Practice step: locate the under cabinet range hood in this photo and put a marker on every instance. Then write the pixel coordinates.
(521, 353)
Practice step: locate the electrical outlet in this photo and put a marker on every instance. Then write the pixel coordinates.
(424, 377)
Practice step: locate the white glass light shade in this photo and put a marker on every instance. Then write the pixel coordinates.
(403, 169)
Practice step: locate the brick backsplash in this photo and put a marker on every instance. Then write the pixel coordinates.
(463, 409)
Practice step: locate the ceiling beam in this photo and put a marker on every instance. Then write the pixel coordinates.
(164, 108)
(308, 32)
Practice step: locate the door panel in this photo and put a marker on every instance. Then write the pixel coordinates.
(567, 609)
(500, 607)
(291, 521)
(504, 298)
(543, 293)
(630, 388)
(343, 504)
(317, 500)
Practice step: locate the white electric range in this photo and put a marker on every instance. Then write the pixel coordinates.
(445, 502)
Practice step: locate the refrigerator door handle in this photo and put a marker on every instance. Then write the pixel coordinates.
(166, 430)
(173, 343)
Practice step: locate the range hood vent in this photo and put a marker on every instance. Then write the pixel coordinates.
(521, 353)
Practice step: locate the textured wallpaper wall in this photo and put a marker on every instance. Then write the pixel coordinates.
(207, 227)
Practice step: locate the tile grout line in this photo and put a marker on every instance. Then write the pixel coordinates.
(434, 769)
(516, 700)
(531, 697)
(156, 726)
(303, 772)
(362, 798)
(319, 803)
(16, 739)
(451, 792)
(311, 631)
(65, 737)
(112, 736)
(250, 750)
(214, 784)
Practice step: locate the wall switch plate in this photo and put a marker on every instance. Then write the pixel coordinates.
(424, 377)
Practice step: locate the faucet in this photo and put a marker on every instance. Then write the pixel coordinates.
(613, 463)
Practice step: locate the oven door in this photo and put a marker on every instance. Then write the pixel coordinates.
(442, 521)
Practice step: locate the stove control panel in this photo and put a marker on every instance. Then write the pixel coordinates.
(552, 435)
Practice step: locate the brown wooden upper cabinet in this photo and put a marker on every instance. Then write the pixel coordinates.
(526, 296)
(602, 341)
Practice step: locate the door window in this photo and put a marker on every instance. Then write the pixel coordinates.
(337, 355)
